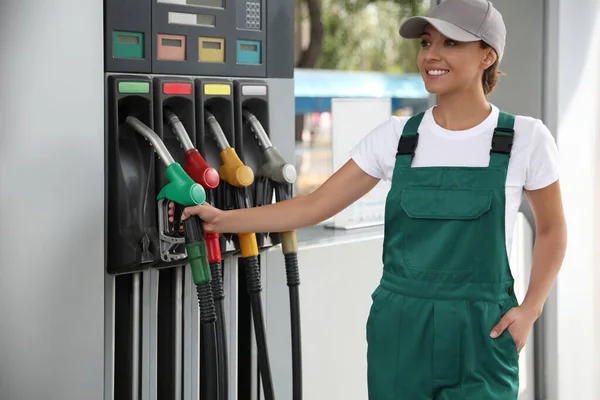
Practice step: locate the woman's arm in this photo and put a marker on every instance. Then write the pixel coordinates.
(343, 188)
(550, 244)
(548, 254)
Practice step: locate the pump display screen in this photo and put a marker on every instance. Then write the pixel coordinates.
(248, 47)
(127, 39)
(211, 45)
(202, 3)
(171, 42)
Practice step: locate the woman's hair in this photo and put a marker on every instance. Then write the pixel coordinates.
(490, 75)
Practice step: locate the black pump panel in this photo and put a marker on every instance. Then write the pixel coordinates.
(132, 234)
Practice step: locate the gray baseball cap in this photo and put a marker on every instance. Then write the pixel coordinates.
(463, 21)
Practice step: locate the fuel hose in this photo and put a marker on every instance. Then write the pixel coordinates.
(201, 172)
(240, 177)
(275, 174)
(184, 192)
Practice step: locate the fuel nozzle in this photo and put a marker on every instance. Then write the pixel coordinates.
(181, 188)
(233, 170)
(196, 166)
(275, 166)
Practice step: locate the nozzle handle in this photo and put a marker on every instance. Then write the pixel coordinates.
(276, 168)
(199, 170)
(181, 188)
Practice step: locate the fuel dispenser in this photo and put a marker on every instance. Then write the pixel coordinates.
(177, 132)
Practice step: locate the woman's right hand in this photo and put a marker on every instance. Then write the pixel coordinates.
(208, 214)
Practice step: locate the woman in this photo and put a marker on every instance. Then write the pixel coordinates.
(445, 322)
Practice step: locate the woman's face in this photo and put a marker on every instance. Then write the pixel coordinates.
(448, 66)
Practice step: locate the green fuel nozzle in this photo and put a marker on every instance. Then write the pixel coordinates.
(275, 167)
(182, 190)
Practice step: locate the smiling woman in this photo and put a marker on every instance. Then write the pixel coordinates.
(445, 322)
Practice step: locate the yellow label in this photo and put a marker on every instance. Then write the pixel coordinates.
(217, 89)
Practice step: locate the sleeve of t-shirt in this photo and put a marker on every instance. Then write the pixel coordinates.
(543, 167)
(369, 153)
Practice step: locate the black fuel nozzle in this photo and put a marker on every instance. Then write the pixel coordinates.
(275, 167)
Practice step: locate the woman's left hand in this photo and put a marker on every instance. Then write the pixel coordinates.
(518, 321)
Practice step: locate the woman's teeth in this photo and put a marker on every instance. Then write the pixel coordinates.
(437, 72)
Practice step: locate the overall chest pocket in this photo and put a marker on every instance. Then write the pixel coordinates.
(444, 230)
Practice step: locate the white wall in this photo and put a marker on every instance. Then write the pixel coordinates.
(51, 200)
(578, 128)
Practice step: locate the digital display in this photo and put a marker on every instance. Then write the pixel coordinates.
(211, 45)
(201, 3)
(126, 39)
(192, 19)
(171, 42)
(248, 47)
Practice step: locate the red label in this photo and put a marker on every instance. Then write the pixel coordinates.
(177, 88)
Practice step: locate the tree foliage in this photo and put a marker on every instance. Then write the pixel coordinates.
(360, 35)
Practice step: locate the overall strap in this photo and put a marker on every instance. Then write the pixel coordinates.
(502, 140)
(408, 141)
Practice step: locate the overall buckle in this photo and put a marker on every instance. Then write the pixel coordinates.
(502, 144)
(408, 145)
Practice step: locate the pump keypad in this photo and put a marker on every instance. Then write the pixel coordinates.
(253, 15)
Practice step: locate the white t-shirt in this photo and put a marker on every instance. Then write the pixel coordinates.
(533, 163)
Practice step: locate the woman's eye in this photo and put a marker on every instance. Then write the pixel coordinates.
(423, 43)
(451, 43)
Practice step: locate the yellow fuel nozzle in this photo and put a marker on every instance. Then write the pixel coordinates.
(233, 171)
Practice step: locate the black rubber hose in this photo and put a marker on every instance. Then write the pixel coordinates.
(197, 256)
(208, 319)
(219, 296)
(289, 247)
(254, 290)
(293, 281)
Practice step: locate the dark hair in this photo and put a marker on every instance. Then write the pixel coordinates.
(490, 75)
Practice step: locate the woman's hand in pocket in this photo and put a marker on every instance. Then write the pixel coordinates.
(519, 322)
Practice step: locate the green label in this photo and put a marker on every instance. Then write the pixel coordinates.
(134, 87)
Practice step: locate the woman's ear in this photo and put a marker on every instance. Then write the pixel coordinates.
(490, 58)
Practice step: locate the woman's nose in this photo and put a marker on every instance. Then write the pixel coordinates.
(433, 52)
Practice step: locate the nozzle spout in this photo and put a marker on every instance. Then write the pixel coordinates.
(216, 130)
(152, 137)
(178, 129)
(258, 130)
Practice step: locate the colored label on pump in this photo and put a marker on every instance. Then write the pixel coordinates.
(254, 90)
(217, 89)
(171, 47)
(134, 87)
(248, 52)
(211, 49)
(128, 45)
(177, 88)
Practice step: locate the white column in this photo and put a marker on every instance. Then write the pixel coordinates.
(578, 134)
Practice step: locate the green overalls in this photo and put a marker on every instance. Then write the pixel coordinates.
(446, 281)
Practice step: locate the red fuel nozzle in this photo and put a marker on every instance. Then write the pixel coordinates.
(199, 170)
